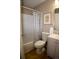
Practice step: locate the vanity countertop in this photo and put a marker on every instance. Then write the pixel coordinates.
(55, 36)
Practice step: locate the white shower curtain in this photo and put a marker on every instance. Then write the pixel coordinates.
(36, 26)
(32, 26)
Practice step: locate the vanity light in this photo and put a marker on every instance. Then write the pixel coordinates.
(56, 3)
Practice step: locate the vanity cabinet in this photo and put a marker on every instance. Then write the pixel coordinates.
(53, 48)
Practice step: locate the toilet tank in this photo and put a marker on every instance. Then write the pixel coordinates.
(45, 36)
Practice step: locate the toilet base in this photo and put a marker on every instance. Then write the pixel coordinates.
(40, 50)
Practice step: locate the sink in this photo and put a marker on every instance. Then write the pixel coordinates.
(54, 36)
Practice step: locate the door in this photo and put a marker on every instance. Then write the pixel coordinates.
(28, 28)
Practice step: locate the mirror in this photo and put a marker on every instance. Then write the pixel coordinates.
(56, 25)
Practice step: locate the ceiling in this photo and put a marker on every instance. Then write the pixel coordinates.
(32, 3)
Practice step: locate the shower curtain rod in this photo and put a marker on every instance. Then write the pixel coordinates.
(28, 8)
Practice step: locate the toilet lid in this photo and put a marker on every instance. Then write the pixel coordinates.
(40, 42)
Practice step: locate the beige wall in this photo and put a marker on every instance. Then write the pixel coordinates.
(47, 7)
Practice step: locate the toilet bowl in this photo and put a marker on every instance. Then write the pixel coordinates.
(39, 45)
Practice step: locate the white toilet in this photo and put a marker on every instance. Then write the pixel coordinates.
(39, 45)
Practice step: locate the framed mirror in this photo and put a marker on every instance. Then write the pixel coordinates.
(47, 18)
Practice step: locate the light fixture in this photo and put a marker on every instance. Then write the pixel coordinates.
(56, 3)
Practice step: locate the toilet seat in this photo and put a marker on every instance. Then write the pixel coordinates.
(39, 44)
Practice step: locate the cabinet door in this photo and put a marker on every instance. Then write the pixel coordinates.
(51, 47)
(57, 50)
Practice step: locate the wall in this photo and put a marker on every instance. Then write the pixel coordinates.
(26, 11)
(46, 7)
(21, 41)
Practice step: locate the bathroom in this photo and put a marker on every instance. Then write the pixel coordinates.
(40, 29)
